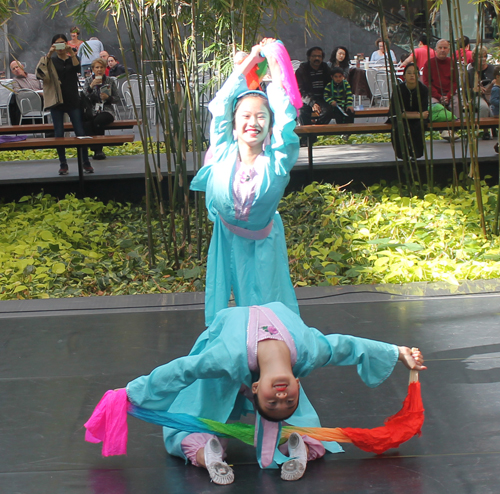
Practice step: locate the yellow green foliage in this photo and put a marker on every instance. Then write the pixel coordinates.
(71, 247)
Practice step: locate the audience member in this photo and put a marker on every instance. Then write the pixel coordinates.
(23, 80)
(20, 80)
(413, 99)
(495, 97)
(115, 68)
(59, 72)
(495, 92)
(104, 55)
(421, 54)
(340, 58)
(88, 52)
(481, 77)
(338, 94)
(437, 76)
(464, 53)
(312, 78)
(74, 42)
(380, 54)
(102, 92)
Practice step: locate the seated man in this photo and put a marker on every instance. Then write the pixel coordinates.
(440, 75)
(23, 80)
(312, 78)
(104, 55)
(480, 84)
(421, 54)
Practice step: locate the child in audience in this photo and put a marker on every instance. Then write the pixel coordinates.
(339, 94)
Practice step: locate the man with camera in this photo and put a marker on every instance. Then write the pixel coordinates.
(480, 83)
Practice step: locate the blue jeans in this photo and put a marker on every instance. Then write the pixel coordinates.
(75, 116)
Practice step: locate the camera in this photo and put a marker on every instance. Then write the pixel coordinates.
(59, 46)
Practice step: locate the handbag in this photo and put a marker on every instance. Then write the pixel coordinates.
(86, 107)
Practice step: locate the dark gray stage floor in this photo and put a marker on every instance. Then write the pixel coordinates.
(59, 357)
(347, 156)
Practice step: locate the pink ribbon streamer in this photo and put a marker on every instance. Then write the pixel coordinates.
(108, 423)
(288, 78)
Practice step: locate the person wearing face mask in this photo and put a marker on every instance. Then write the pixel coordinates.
(250, 361)
(59, 71)
(103, 93)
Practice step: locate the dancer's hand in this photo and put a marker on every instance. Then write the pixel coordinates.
(411, 358)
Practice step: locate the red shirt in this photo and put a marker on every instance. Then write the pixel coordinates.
(441, 77)
(420, 57)
(468, 56)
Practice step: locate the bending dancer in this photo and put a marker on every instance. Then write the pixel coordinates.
(253, 147)
(253, 357)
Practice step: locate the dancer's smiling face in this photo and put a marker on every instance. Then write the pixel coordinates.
(252, 120)
(278, 396)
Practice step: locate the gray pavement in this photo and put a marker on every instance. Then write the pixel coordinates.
(325, 157)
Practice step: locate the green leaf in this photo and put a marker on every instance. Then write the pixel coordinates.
(58, 268)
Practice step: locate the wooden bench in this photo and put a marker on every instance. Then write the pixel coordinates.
(48, 127)
(372, 111)
(78, 142)
(311, 131)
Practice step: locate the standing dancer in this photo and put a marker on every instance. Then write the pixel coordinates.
(253, 148)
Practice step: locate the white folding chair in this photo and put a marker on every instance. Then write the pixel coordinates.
(371, 79)
(30, 106)
(6, 95)
(131, 94)
(384, 86)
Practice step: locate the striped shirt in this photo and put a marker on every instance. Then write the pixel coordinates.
(340, 93)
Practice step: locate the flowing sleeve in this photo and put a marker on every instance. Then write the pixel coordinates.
(221, 108)
(218, 356)
(221, 128)
(375, 360)
(284, 141)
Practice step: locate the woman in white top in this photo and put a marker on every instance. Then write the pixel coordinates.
(379, 55)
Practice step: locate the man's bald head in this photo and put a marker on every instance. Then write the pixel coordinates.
(442, 49)
(17, 69)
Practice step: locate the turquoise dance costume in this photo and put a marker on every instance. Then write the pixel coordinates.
(208, 382)
(248, 251)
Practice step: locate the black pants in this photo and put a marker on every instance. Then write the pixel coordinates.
(340, 118)
(97, 126)
(326, 114)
